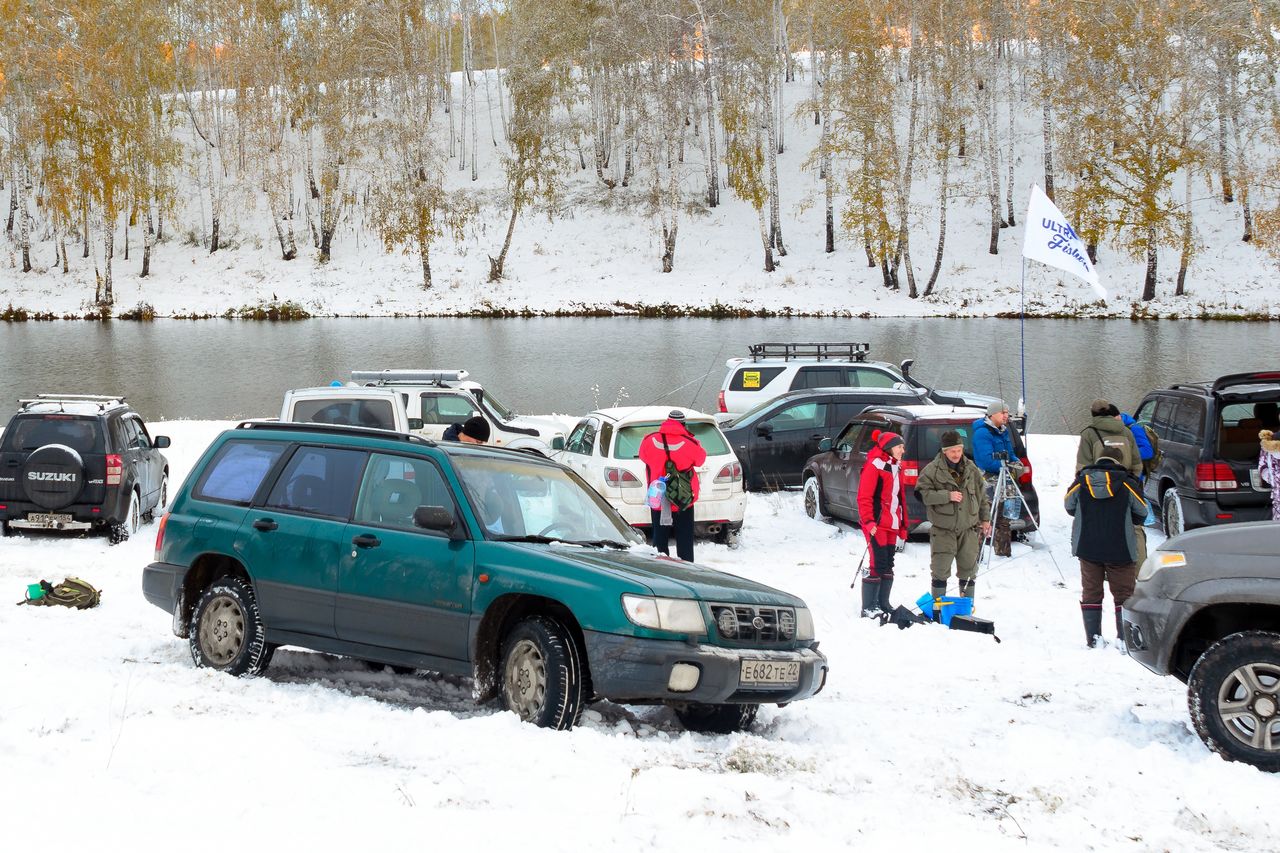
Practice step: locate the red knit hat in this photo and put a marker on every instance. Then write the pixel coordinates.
(886, 441)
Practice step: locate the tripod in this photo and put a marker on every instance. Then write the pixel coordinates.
(1006, 489)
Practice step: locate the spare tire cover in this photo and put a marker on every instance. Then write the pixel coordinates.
(53, 476)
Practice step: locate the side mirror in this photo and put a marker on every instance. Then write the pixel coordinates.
(765, 431)
(415, 424)
(160, 442)
(557, 443)
(824, 445)
(437, 518)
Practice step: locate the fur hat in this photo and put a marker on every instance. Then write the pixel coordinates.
(1269, 442)
(951, 438)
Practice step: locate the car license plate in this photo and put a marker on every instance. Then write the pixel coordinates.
(756, 672)
(49, 519)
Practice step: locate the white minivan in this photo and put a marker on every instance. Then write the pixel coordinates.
(604, 449)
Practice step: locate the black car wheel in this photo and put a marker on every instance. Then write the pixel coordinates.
(1234, 698)
(814, 507)
(227, 631)
(719, 719)
(542, 678)
(1171, 513)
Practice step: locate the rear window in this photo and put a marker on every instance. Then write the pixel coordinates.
(629, 438)
(367, 413)
(236, 471)
(83, 435)
(753, 378)
(1238, 427)
(928, 439)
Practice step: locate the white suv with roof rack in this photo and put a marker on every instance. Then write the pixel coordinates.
(422, 402)
(772, 369)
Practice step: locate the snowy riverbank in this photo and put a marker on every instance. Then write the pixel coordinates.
(923, 739)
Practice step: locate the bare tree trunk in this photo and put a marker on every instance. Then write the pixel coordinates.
(215, 200)
(669, 247)
(497, 71)
(778, 121)
(148, 238)
(424, 251)
(469, 81)
(1149, 282)
(989, 154)
(1228, 196)
(62, 246)
(1047, 134)
(828, 174)
(764, 238)
(942, 221)
(496, 264)
(109, 236)
(84, 225)
(13, 198)
(775, 211)
(1013, 153)
(1242, 176)
(1188, 234)
(24, 217)
(713, 156)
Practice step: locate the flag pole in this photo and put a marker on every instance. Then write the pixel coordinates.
(1023, 320)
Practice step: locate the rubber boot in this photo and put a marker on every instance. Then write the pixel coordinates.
(967, 588)
(886, 585)
(937, 588)
(870, 597)
(1120, 625)
(1092, 626)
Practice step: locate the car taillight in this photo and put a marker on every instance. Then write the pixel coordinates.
(115, 466)
(1025, 479)
(621, 478)
(1214, 477)
(720, 402)
(160, 534)
(910, 472)
(730, 473)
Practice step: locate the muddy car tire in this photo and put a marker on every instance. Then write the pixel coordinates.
(720, 719)
(227, 633)
(541, 674)
(124, 528)
(1233, 695)
(1171, 516)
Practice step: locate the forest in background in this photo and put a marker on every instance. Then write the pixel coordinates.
(126, 123)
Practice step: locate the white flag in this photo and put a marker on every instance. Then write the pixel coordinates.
(1051, 240)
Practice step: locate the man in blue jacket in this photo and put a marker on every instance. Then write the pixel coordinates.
(993, 443)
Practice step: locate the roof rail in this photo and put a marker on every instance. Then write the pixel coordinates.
(810, 351)
(339, 429)
(1256, 378)
(382, 377)
(103, 401)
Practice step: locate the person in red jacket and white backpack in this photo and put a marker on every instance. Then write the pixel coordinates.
(882, 513)
(675, 444)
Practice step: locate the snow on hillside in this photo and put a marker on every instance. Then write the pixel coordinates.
(923, 739)
(600, 253)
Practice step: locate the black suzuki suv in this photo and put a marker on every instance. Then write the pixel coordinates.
(80, 463)
(1208, 467)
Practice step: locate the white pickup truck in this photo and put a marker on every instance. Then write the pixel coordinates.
(423, 402)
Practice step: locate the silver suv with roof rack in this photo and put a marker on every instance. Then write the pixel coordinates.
(772, 369)
(80, 463)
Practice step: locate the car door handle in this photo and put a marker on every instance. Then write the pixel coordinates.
(366, 540)
(264, 524)
(817, 437)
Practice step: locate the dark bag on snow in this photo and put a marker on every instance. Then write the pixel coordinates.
(975, 625)
(72, 592)
(904, 618)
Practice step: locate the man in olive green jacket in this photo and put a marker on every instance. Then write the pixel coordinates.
(954, 496)
(1107, 430)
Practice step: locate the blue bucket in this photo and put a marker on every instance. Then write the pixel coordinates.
(948, 606)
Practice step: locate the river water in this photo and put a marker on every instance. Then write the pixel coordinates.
(222, 369)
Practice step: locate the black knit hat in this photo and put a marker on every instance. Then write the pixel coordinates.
(476, 427)
(951, 438)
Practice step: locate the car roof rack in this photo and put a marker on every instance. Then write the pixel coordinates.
(1261, 377)
(103, 401)
(428, 377)
(339, 429)
(813, 351)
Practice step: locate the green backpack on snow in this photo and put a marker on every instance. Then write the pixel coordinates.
(72, 592)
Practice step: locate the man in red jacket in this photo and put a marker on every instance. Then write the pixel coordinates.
(673, 442)
(882, 512)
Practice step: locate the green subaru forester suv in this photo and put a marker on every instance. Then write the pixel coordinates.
(495, 564)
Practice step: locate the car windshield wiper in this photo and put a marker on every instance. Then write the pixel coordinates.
(546, 540)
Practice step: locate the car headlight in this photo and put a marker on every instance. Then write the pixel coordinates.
(804, 624)
(1161, 560)
(679, 615)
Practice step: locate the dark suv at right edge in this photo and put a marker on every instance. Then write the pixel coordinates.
(1208, 431)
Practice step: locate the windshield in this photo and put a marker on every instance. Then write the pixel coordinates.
(503, 413)
(516, 499)
(629, 437)
(753, 413)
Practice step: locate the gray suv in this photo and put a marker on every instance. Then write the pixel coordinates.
(1207, 610)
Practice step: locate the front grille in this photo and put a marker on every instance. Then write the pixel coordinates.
(754, 624)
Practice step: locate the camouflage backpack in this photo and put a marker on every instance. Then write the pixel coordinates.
(679, 483)
(72, 592)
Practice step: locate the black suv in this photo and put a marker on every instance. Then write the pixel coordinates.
(1208, 431)
(831, 476)
(773, 440)
(75, 462)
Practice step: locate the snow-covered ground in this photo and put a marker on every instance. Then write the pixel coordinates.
(600, 253)
(923, 739)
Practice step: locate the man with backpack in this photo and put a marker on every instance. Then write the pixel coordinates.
(673, 455)
(1106, 430)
